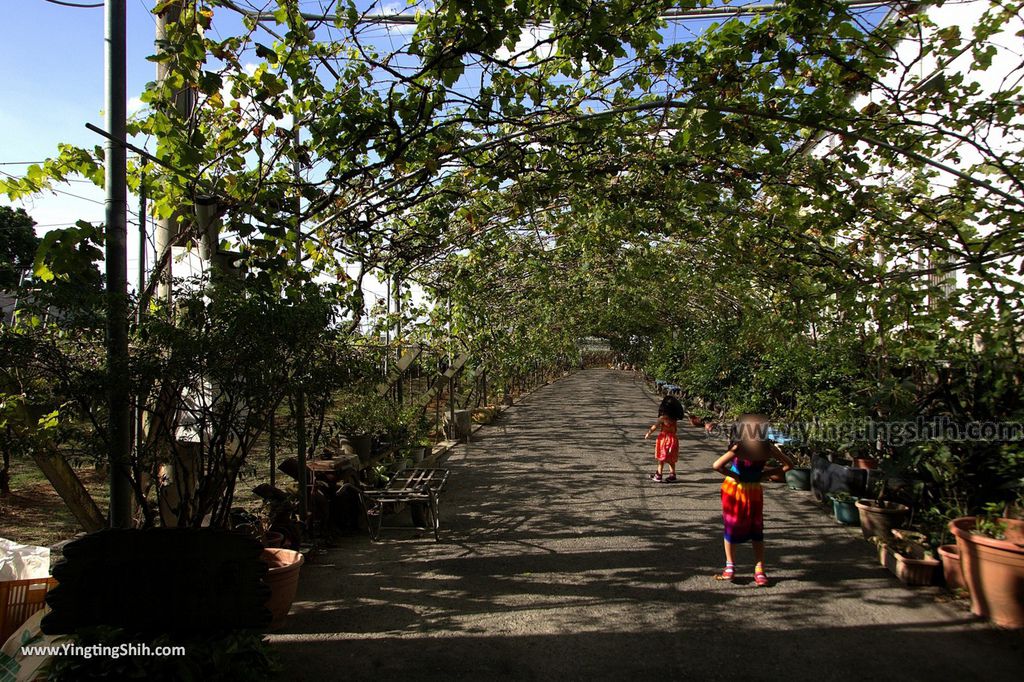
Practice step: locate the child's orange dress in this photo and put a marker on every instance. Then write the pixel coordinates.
(666, 449)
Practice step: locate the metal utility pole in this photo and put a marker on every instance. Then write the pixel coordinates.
(399, 386)
(387, 324)
(138, 422)
(143, 236)
(300, 394)
(167, 229)
(119, 429)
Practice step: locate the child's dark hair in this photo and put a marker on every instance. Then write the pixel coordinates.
(671, 407)
(759, 423)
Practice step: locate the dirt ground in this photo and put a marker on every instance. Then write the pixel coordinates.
(34, 514)
(559, 559)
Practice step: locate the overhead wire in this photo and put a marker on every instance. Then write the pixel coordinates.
(59, 191)
(76, 5)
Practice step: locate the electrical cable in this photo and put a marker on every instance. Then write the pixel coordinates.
(62, 3)
(59, 191)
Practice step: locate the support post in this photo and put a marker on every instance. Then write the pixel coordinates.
(143, 236)
(138, 423)
(400, 384)
(300, 395)
(167, 229)
(451, 408)
(116, 209)
(273, 448)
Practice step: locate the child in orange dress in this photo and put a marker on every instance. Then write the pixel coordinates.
(743, 467)
(666, 449)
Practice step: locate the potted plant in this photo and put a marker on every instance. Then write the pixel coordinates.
(799, 477)
(844, 509)
(908, 559)
(878, 517)
(935, 522)
(362, 419)
(699, 416)
(283, 580)
(992, 556)
(952, 570)
(829, 477)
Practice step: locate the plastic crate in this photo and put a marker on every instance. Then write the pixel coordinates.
(19, 599)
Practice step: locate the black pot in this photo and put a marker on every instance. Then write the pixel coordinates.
(827, 477)
(362, 445)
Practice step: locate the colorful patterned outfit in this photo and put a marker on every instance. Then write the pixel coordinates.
(743, 502)
(666, 449)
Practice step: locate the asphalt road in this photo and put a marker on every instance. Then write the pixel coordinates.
(560, 559)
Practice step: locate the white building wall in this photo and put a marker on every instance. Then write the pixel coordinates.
(918, 69)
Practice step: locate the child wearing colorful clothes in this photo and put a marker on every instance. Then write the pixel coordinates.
(666, 448)
(742, 497)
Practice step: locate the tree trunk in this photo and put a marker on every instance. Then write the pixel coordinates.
(67, 484)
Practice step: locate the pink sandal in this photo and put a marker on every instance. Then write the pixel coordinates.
(728, 574)
(759, 577)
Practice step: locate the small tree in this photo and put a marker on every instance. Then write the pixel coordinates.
(18, 243)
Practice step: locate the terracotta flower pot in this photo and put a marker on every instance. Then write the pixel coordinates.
(865, 463)
(993, 570)
(696, 421)
(952, 571)
(911, 571)
(283, 580)
(877, 519)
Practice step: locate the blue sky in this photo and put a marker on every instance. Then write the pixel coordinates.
(53, 85)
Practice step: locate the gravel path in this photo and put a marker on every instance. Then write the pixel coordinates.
(559, 559)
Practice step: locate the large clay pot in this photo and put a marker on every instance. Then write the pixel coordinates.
(799, 479)
(696, 421)
(993, 570)
(865, 463)
(283, 580)
(877, 518)
(952, 571)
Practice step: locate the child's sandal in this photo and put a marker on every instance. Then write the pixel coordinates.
(760, 579)
(728, 574)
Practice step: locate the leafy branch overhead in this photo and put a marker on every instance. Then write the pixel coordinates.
(547, 171)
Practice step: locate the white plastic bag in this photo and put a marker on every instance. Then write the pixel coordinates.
(21, 562)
